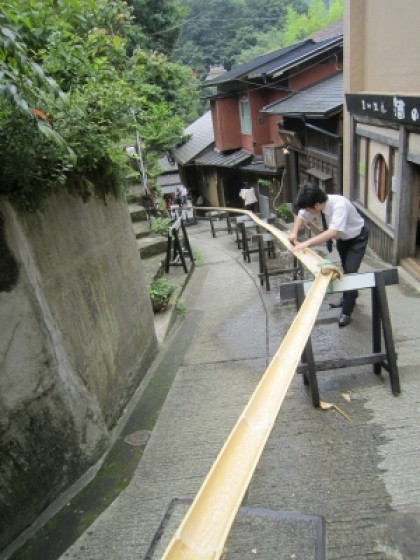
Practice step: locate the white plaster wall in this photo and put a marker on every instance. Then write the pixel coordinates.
(381, 53)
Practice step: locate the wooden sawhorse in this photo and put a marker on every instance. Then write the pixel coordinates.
(270, 266)
(376, 281)
(219, 215)
(187, 213)
(175, 253)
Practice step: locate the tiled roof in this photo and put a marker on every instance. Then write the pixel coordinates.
(334, 29)
(167, 180)
(294, 57)
(258, 167)
(166, 166)
(276, 62)
(202, 136)
(244, 69)
(219, 159)
(319, 100)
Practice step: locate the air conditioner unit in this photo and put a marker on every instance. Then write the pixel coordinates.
(273, 156)
(290, 138)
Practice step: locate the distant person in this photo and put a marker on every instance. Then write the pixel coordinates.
(184, 194)
(178, 197)
(248, 196)
(338, 218)
(168, 201)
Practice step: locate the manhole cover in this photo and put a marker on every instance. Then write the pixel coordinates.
(138, 438)
(267, 534)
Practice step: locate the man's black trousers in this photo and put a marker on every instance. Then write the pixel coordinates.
(351, 253)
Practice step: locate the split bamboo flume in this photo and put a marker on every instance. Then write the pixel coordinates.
(203, 532)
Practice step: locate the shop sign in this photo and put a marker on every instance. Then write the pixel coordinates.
(402, 109)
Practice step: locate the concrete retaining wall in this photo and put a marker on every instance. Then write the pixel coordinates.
(76, 338)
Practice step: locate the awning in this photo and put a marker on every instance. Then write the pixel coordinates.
(219, 159)
(318, 101)
(260, 168)
(318, 174)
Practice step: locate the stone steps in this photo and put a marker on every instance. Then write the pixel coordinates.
(137, 212)
(152, 251)
(412, 266)
(141, 229)
(152, 247)
(153, 266)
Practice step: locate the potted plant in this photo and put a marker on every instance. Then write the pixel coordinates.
(265, 183)
(284, 213)
(160, 291)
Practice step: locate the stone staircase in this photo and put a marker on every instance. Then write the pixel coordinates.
(412, 266)
(152, 251)
(152, 247)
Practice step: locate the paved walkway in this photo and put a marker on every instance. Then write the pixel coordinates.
(325, 486)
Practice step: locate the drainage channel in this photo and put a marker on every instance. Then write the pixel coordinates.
(64, 528)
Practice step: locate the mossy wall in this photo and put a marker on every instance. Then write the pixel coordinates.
(77, 336)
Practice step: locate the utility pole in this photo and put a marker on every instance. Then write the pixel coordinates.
(140, 155)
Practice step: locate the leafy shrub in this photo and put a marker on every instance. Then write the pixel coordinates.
(284, 212)
(160, 289)
(63, 117)
(161, 226)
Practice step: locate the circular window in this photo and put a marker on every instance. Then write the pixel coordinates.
(380, 177)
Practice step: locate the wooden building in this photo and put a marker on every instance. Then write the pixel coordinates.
(382, 124)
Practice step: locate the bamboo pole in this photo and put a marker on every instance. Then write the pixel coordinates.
(203, 532)
(308, 258)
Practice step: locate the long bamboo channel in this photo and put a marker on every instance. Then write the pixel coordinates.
(203, 531)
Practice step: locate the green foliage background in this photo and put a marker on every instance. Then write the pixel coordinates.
(73, 88)
(231, 32)
(79, 78)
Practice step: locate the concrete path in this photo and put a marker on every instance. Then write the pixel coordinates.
(326, 486)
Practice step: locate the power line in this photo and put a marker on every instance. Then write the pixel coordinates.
(213, 20)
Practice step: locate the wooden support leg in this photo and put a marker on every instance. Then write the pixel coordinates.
(238, 236)
(213, 231)
(387, 331)
(178, 251)
(168, 254)
(245, 247)
(229, 225)
(187, 241)
(376, 329)
(301, 270)
(261, 258)
(309, 377)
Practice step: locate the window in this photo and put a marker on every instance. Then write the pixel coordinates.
(245, 116)
(380, 177)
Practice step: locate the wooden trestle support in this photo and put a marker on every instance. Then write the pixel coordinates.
(204, 530)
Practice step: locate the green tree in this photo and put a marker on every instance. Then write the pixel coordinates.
(299, 26)
(265, 43)
(157, 24)
(335, 10)
(50, 141)
(217, 32)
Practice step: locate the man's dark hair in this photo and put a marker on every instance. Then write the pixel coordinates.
(308, 195)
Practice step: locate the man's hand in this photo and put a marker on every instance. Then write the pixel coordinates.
(292, 237)
(298, 247)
